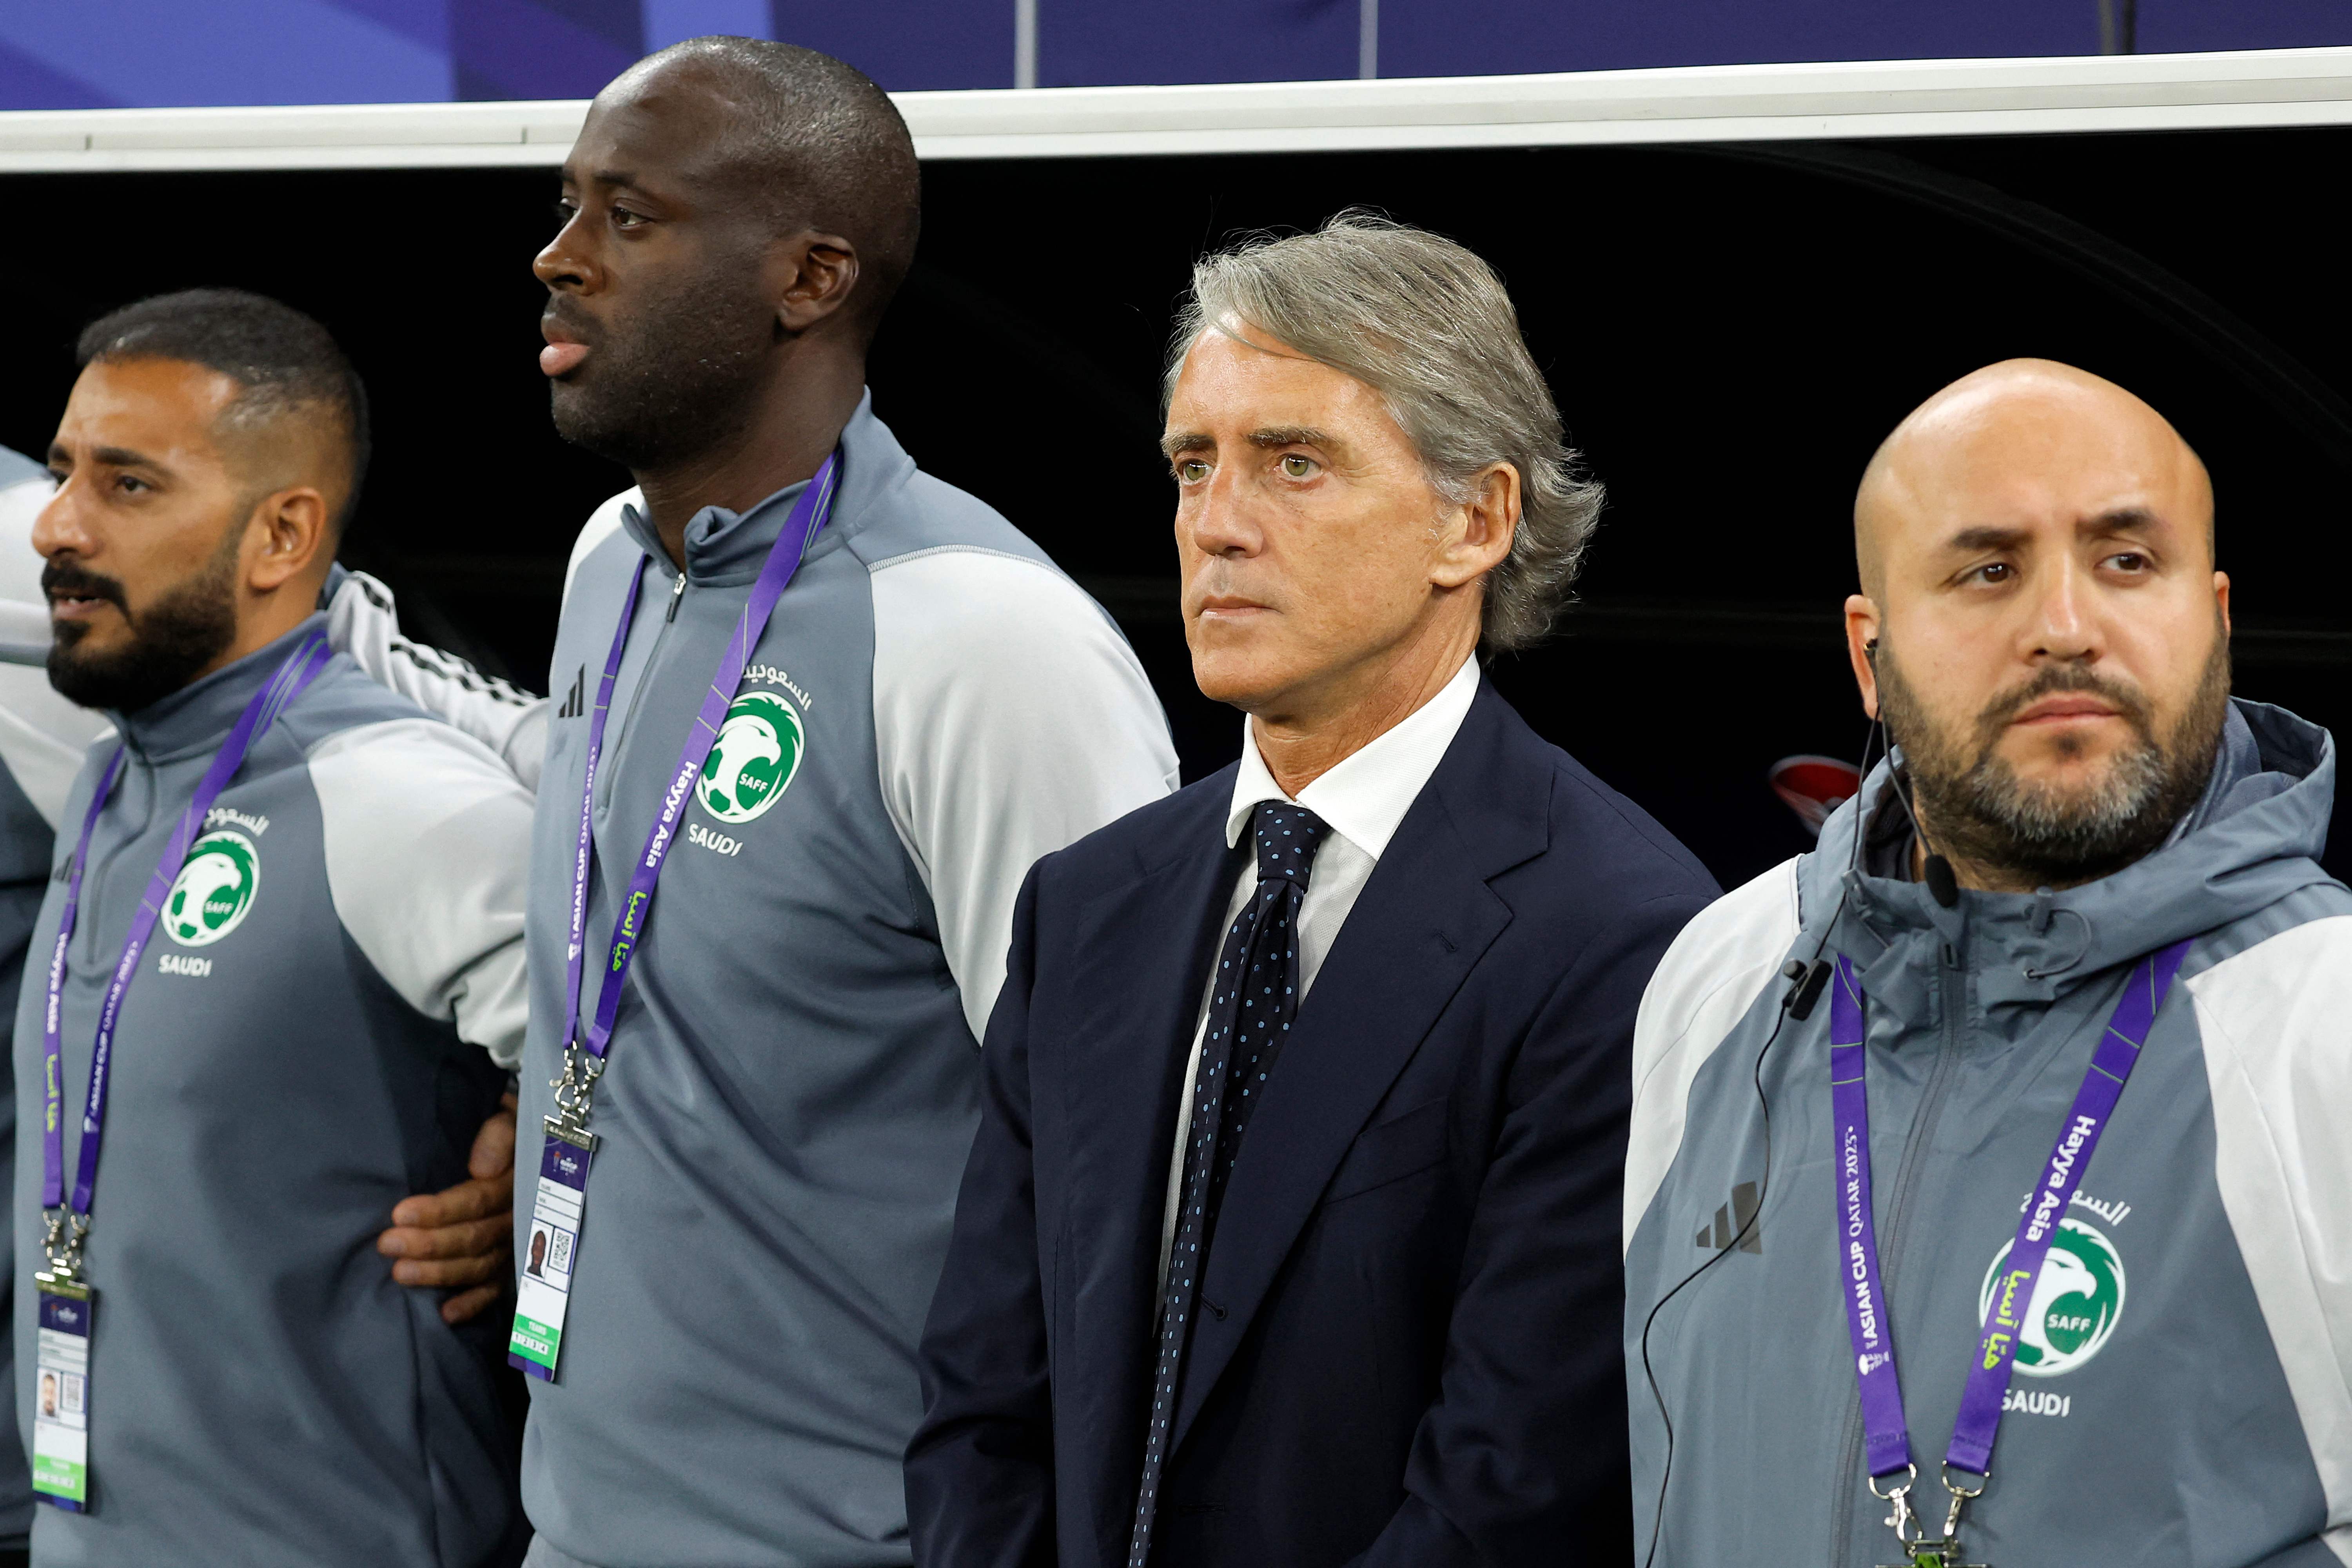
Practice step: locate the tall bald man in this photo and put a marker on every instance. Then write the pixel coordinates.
(818, 712)
(1990, 1159)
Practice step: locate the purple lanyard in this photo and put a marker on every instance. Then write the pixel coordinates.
(1887, 1439)
(808, 516)
(293, 676)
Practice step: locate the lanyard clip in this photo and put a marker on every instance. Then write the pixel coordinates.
(575, 1093)
(62, 1242)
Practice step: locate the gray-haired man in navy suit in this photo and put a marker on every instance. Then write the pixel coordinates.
(1290, 1234)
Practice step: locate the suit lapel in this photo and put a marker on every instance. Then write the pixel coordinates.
(1147, 946)
(1420, 926)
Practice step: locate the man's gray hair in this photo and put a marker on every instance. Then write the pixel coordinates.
(1428, 325)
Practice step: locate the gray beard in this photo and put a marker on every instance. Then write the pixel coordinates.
(1984, 815)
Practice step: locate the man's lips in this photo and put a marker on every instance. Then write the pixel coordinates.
(1227, 605)
(76, 606)
(565, 350)
(2066, 708)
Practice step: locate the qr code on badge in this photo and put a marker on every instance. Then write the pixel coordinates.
(71, 1391)
(559, 1253)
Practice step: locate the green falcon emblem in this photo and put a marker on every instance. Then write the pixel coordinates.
(753, 759)
(2074, 1304)
(215, 888)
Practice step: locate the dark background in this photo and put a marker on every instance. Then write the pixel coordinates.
(1730, 331)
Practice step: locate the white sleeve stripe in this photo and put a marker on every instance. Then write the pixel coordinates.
(1706, 983)
(2272, 1023)
(1010, 720)
(426, 838)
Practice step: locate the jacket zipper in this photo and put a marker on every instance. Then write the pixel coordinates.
(1952, 1002)
(645, 678)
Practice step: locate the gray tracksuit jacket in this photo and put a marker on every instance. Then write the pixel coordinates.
(290, 1064)
(2183, 1393)
(793, 1078)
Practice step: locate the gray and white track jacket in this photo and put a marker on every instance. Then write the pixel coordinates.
(794, 1079)
(2183, 1396)
(261, 1392)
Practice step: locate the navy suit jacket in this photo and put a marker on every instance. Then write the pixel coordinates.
(1407, 1347)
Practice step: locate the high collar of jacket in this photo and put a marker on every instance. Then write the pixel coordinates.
(2254, 838)
(199, 716)
(725, 547)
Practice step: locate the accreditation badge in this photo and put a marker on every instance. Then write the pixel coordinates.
(543, 1290)
(61, 1393)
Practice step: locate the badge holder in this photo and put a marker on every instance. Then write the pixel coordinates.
(61, 1368)
(543, 1290)
(1922, 1550)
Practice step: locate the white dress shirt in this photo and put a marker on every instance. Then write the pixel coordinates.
(1361, 800)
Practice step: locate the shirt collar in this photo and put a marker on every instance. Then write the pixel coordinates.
(1365, 795)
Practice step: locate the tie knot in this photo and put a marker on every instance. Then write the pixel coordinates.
(1287, 836)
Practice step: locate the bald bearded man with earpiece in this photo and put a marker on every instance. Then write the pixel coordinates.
(2013, 1114)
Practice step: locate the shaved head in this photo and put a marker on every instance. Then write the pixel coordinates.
(2023, 425)
(803, 140)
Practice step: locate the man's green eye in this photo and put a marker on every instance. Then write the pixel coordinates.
(1192, 470)
(1297, 467)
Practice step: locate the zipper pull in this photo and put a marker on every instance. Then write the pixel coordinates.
(677, 592)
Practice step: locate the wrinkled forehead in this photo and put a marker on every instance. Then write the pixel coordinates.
(2034, 459)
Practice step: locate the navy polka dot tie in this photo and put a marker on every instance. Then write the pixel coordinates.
(1250, 1010)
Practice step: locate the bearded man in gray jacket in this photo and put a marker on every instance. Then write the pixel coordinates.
(280, 961)
(2014, 1111)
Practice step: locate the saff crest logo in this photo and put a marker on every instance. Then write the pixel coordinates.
(214, 889)
(753, 759)
(2076, 1303)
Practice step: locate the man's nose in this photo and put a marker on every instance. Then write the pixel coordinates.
(59, 531)
(564, 263)
(2065, 625)
(1219, 523)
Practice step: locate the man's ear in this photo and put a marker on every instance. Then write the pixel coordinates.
(288, 533)
(1479, 537)
(1861, 630)
(815, 273)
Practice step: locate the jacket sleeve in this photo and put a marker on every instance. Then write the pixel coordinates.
(427, 842)
(1525, 1451)
(1011, 719)
(980, 1471)
(363, 623)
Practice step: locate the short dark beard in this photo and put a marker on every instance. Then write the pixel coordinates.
(1983, 815)
(187, 628)
(678, 379)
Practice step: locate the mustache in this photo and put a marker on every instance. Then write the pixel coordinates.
(71, 581)
(2053, 679)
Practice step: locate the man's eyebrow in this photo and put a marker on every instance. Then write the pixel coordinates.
(2122, 519)
(121, 458)
(1177, 441)
(1971, 540)
(1292, 435)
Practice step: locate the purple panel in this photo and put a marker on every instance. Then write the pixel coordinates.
(516, 48)
(28, 84)
(426, 21)
(1445, 37)
(1094, 42)
(907, 46)
(2166, 26)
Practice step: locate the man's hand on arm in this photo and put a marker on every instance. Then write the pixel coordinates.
(462, 1239)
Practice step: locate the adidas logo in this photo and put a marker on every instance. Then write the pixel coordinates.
(577, 703)
(1731, 1220)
